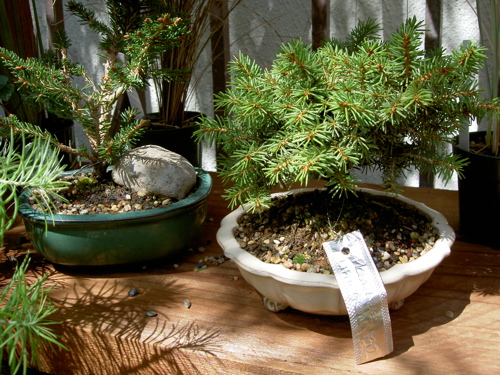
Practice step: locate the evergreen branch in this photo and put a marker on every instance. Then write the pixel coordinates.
(363, 102)
(11, 123)
(129, 132)
(51, 81)
(24, 320)
(88, 17)
(34, 164)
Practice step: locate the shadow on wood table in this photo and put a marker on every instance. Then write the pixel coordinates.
(187, 321)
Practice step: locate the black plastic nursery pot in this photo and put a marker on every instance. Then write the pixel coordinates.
(62, 129)
(479, 197)
(110, 239)
(176, 139)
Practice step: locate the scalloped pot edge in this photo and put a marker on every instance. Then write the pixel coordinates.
(317, 293)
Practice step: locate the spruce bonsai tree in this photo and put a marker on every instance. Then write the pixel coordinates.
(130, 51)
(362, 102)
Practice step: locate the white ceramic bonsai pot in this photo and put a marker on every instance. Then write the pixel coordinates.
(320, 293)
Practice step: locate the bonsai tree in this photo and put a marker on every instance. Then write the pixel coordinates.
(53, 81)
(362, 102)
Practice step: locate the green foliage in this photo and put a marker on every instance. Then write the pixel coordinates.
(203, 24)
(24, 307)
(24, 320)
(299, 259)
(23, 164)
(359, 103)
(17, 33)
(6, 89)
(52, 81)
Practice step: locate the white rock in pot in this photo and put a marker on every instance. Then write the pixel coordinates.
(153, 169)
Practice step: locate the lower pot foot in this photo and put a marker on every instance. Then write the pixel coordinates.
(273, 305)
(396, 305)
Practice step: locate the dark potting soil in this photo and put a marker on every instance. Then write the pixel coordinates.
(86, 196)
(479, 145)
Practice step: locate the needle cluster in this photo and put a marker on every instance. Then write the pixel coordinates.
(358, 103)
(130, 52)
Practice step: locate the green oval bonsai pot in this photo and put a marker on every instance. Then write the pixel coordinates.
(109, 239)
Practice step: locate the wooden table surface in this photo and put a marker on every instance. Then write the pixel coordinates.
(451, 325)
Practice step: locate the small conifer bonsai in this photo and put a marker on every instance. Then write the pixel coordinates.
(362, 102)
(130, 52)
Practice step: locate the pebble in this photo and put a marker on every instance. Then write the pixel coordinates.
(449, 314)
(187, 303)
(204, 267)
(133, 292)
(150, 313)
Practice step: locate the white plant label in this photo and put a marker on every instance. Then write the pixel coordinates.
(364, 295)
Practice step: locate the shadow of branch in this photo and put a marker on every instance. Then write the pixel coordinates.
(115, 336)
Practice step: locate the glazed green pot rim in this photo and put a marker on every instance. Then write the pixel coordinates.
(196, 198)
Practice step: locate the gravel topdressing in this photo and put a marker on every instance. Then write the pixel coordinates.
(87, 197)
(292, 231)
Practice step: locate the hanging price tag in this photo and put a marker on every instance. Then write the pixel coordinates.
(364, 295)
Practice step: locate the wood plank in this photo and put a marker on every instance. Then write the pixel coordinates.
(449, 326)
(320, 13)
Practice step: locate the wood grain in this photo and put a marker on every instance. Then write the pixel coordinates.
(449, 326)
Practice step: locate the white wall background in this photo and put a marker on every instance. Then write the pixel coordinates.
(258, 27)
